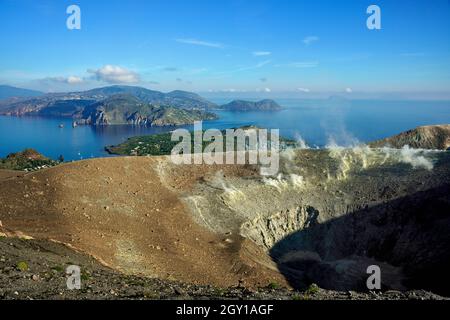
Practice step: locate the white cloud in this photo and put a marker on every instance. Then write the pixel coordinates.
(348, 90)
(263, 90)
(310, 39)
(257, 66)
(197, 42)
(58, 83)
(303, 90)
(74, 80)
(303, 64)
(115, 74)
(229, 90)
(262, 64)
(261, 53)
(62, 80)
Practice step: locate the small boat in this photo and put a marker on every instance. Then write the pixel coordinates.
(61, 125)
(74, 124)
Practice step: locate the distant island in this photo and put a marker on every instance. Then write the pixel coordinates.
(115, 105)
(242, 105)
(161, 144)
(121, 105)
(7, 92)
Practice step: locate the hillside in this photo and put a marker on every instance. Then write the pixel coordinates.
(178, 98)
(115, 105)
(123, 212)
(242, 105)
(27, 160)
(128, 109)
(10, 92)
(65, 108)
(72, 104)
(435, 137)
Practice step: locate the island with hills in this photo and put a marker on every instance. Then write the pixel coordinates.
(114, 105)
(12, 92)
(242, 105)
(162, 144)
(122, 105)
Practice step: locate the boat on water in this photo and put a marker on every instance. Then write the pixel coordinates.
(61, 125)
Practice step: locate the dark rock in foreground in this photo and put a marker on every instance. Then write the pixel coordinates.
(35, 269)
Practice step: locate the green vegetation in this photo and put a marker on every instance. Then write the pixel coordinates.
(219, 292)
(312, 289)
(273, 286)
(58, 269)
(22, 266)
(27, 160)
(161, 144)
(85, 276)
(155, 145)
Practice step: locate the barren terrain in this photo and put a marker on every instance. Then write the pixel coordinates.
(326, 217)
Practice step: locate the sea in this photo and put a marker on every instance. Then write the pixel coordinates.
(317, 122)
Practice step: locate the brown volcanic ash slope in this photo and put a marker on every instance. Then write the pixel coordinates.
(326, 217)
(427, 137)
(119, 211)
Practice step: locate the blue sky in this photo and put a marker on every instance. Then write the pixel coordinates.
(266, 46)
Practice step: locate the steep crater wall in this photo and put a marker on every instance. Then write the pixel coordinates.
(407, 237)
(323, 219)
(350, 210)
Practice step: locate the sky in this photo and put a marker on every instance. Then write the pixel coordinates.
(247, 47)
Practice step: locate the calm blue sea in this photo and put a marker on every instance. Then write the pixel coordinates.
(316, 121)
